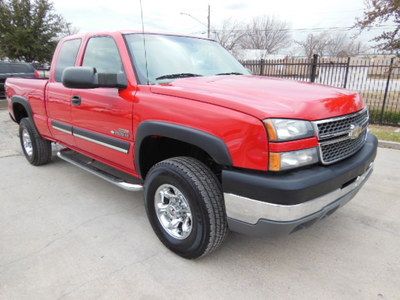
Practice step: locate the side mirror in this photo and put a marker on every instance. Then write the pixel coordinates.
(88, 78)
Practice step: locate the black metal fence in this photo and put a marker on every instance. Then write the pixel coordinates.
(377, 79)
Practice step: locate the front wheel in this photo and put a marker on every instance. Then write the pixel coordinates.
(185, 206)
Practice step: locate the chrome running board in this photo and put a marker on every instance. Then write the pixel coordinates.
(69, 156)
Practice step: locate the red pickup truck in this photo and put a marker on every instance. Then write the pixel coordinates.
(212, 146)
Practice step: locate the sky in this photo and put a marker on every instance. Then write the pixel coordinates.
(165, 16)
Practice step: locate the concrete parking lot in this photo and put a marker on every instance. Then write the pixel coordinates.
(67, 234)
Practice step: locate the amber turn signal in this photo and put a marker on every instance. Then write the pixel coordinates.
(274, 161)
(272, 134)
(292, 159)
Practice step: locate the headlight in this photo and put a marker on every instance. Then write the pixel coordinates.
(293, 159)
(286, 130)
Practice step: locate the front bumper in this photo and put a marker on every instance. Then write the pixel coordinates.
(261, 204)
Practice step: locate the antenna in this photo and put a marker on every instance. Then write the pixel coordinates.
(144, 41)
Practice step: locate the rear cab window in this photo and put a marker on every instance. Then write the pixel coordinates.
(67, 56)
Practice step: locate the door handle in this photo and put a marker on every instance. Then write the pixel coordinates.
(76, 100)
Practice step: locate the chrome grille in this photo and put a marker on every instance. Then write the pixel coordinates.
(336, 151)
(335, 136)
(341, 125)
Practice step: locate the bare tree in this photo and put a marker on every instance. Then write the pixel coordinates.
(341, 45)
(268, 34)
(230, 35)
(338, 45)
(359, 48)
(69, 29)
(314, 44)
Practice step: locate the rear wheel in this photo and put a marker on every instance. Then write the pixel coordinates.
(36, 149)
(185, 206)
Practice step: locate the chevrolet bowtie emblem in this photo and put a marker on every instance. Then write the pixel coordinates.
(355, 131)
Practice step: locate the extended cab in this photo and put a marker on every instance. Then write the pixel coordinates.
(212, 146)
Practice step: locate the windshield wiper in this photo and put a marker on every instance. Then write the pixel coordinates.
(177, 75)
(230, 73)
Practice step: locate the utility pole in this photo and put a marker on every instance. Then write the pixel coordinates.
(209, 21)
(208, 25)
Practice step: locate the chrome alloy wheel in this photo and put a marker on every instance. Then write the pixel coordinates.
(173, 211)
(27, 142)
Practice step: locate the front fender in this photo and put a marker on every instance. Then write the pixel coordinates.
(211, 144)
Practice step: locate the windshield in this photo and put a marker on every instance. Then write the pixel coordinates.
(171, 57)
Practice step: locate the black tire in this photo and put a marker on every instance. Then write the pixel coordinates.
(204, 195)
(41, 148)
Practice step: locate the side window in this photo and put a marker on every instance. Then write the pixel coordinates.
(102, 54)
(67, 56)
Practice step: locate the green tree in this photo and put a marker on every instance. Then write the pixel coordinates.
(382, 11)
(2, 55)
(30, 29)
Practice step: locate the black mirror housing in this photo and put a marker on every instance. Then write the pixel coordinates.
(88, 78)
(79, 78)
(112, 80)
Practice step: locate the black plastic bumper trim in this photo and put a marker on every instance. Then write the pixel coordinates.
(301, 185)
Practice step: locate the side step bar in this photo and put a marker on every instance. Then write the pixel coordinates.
(87, 166)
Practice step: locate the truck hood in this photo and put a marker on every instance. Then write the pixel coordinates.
(265, 97)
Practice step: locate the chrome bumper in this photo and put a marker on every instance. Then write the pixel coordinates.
(250, 211)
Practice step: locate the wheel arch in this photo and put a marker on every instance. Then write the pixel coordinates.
(212, 145)
(21, 108)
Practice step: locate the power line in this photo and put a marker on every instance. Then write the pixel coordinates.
(314, 28)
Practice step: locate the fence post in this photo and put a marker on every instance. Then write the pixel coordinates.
(386, 90)
(313, 72)
(262, 63)
(347, 73)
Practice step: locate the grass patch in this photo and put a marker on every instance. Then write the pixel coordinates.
(386, 133)
(389, 117)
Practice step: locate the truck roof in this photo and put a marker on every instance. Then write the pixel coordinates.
(96, 33)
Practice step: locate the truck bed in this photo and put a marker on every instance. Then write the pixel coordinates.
(32, 90)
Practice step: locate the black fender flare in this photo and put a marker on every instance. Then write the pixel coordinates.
(25, 103)
(211, 144)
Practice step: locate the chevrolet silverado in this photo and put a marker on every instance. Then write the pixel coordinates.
(213, 147)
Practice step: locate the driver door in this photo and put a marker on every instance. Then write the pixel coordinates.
(102, 117)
